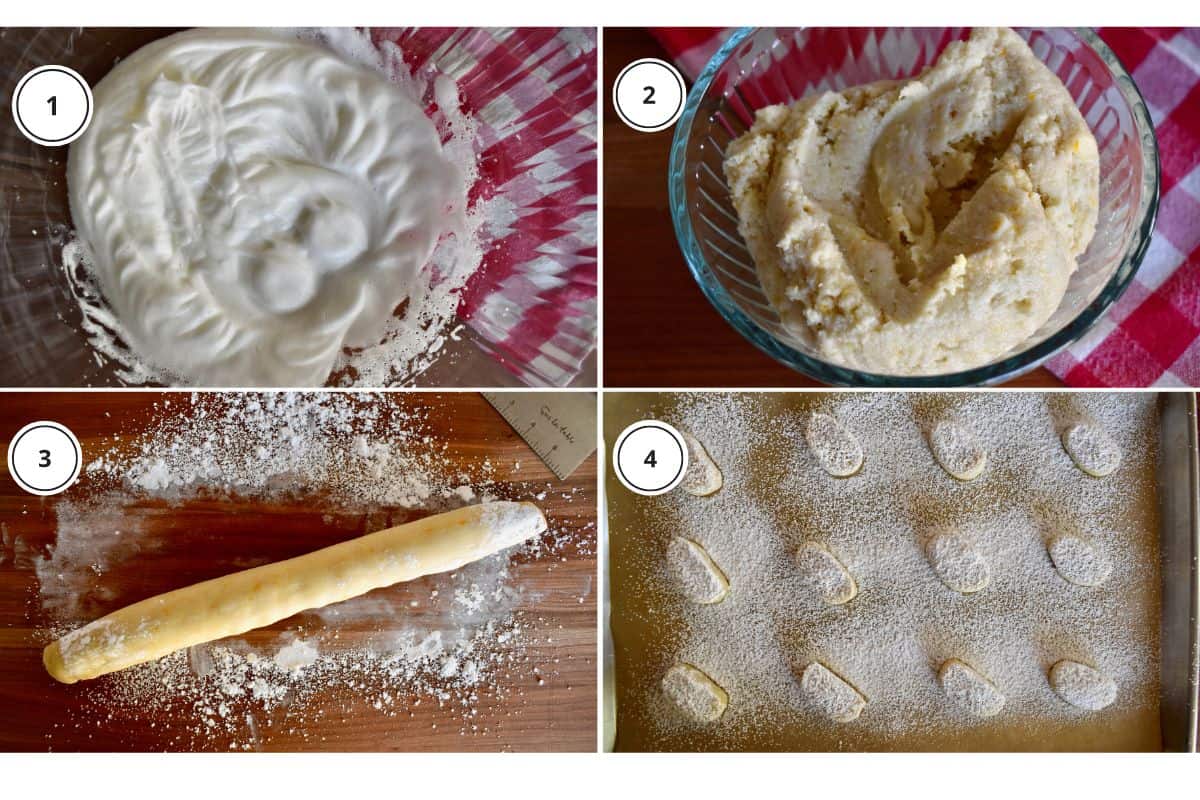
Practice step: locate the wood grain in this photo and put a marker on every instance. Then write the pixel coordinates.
(659, 330)
(206, 537)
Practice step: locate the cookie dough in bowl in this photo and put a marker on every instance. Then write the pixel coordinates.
(757, 68)
(252, 204)
(923, 226)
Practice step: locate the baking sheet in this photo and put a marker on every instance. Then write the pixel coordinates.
(1177, 493)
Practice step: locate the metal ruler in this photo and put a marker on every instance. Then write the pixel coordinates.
(559, 426)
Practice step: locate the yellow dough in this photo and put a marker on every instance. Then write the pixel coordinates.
(256, 597)
(696, 573)
(970, 690)
(822, 572)
(923, 226)
(1092, 449)
(957, 450)
(695, 694)
(834, 446)
(831, 694)
(703, 476)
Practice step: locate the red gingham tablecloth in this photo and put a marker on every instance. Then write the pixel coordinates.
(532, 94)
(1151, 336)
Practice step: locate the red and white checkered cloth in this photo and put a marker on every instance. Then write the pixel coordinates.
(533, 94)
(1151, 336)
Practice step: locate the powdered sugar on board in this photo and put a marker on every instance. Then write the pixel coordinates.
(464, 643)
(891, 639)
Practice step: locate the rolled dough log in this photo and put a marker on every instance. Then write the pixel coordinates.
(256, 597)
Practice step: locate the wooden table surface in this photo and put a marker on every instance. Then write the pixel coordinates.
(659, 330)
(205, 538)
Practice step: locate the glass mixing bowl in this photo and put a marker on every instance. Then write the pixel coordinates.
(527, 316)
(763, 66)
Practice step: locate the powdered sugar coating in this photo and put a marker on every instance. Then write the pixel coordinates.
(969, 690)
(957, 450)
(700, 579)
(824, 574)
(1082, 686)
(958, 563)
(694, 693)
(1092, 449)
(703, 477)
(830, 695)
(834, 446)
(1079, 561)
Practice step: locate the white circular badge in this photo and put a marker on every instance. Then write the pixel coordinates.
(52, 105)
(44, 458)
(650, 457)
(648, 95)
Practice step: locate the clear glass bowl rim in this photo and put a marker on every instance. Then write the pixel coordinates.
(834, 374)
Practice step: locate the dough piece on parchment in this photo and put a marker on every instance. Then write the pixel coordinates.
(703, 476)
(957, 450)
(1082, 686)
(834, 446)
(698, 575)
(969, 690)
(1092, 449)
(958, 563)
(825, 574)
(695, 694)
(1079, 561)
(833, 696)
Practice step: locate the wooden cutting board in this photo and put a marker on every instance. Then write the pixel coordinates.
(546, 701)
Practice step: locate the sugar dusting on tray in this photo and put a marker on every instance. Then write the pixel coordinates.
(454, 640)
(891, 639)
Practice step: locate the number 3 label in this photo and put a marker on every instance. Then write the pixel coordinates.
(44, 458)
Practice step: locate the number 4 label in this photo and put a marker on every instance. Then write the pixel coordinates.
(650, 457)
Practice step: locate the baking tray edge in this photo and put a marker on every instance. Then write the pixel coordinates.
(1179, 521)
